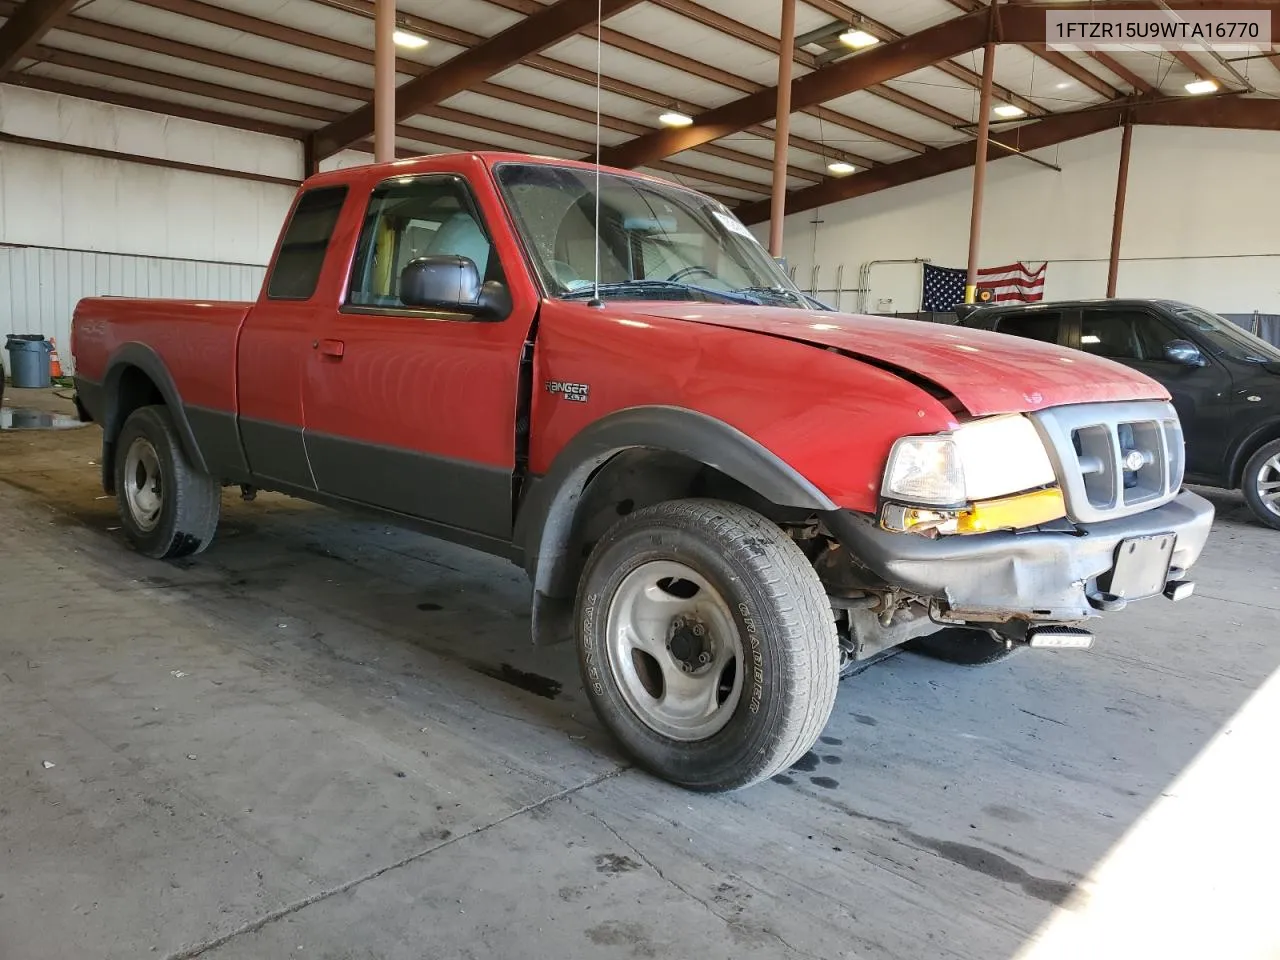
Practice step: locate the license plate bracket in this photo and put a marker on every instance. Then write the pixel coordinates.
(1141, 566)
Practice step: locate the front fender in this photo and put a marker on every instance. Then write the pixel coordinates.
(544, 523)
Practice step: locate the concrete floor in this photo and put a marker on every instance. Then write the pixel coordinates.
(329, 738)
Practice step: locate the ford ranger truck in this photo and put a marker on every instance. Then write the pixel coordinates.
(732, 497)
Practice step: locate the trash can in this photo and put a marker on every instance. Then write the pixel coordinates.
(28, 359)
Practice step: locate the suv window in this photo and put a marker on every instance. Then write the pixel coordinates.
(1124, 334)
(297, 268)
(1033, 326)
(411, 218)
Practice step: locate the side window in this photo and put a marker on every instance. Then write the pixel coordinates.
(1124, 334)
(411, 218)
(306, 240)
(1033, 326)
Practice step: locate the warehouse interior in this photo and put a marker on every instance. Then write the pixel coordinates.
(328, 735)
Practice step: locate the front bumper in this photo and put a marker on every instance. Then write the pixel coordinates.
(1035, 576)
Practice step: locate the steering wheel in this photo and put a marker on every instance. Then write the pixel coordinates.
(685, 273)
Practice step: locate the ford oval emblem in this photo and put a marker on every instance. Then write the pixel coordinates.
(1033, 397)
(1135, 460)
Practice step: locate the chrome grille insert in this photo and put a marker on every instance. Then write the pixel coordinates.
(1113, 459)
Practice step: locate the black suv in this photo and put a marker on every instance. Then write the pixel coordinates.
(1225, 382)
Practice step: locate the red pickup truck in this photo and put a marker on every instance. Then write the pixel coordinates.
(603, 377)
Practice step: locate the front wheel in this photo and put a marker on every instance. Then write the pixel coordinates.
(1261, 484)
(706, 643)
(167, 507)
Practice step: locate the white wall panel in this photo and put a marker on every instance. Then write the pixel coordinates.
(39, 286)
(1199, 222)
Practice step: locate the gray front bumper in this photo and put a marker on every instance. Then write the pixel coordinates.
(995, 577)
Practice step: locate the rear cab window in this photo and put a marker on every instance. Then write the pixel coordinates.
(306, 241)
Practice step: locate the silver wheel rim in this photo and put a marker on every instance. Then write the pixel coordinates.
(1268, 484)
(142, 484)
(675, 650)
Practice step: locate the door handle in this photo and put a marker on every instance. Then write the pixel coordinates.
(329, 348)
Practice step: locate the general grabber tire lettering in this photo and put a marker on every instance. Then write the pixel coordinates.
(963, 645)
(167, 508)
(706, 643)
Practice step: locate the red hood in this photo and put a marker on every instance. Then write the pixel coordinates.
(988, 372)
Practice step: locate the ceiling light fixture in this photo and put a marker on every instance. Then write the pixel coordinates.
(674, 118)
(857, 39)
(841, 168)
(1202, 86)
(1008, 111)
(410, 41)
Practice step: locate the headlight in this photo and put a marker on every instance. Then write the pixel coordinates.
(980, 461)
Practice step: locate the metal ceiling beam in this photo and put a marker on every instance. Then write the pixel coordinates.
(1229, 112)
(23, 30)
(267, 29)
(100, 94)
(1138, 84)
(872, 66)
(531, 35)
(1054, 58)
(679, 63)
(842, 11)
(233, 95)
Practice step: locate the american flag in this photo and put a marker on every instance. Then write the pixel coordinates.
(943, 287)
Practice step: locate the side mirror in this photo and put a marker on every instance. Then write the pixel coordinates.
(449, 282)
(1184, 352)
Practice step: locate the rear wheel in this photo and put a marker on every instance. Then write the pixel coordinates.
(1261, 484)
(963, 645)
(167, 508)
(707, 644)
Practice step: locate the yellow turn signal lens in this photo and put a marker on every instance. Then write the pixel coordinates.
(1013, 513)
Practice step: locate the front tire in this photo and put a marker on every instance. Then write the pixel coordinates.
(1261, 484)
(168, 509)
(706, 643)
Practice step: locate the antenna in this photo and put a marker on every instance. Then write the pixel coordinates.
(595, 300)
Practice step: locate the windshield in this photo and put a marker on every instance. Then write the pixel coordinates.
(656, 242)
(1228, 339)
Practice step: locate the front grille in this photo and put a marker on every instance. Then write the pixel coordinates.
(1113, 459)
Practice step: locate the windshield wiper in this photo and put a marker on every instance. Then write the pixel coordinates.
(780, 293)
(658, 286)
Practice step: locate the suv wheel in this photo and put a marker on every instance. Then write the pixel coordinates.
(167, 508)
(1261, 484)
(706, 643)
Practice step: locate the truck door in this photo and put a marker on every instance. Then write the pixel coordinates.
(1136, 337)
(410, 409)
(273, 350)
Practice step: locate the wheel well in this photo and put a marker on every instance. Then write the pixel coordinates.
(132, 390)
(596, 497)
(1247, 449)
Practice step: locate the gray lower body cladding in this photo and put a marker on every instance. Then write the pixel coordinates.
(1036, 575)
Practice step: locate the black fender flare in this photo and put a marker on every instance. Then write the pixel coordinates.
(544, 524)
(148, 361)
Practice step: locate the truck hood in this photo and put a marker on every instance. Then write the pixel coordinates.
(988, 373)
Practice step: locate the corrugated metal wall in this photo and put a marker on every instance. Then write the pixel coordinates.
(39, 286)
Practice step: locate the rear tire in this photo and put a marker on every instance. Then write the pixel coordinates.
(1261, 484)
(963, 645)
(706, 643)
(168, 509)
